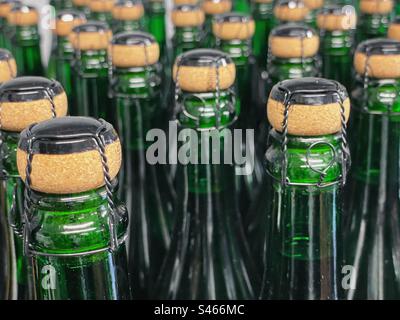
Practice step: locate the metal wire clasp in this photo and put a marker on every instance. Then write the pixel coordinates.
(98, 138)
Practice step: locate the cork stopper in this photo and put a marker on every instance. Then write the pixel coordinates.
(314, 4)
(100, 5)
(80, 3)
(27, 100)
(290, 10)
(182, 2)
(196, 70)
(66, 20)
(90, 36)
(336, 18)
(314, 110)
(394, 29)
(8, 66)
(212, 7)
(6, 6)
(128, 10)
(134, 49)
(187, 15)
(66, 157)
(293, 40)
(233, 26)
(379, 58)
(23, 15)
(376, 6)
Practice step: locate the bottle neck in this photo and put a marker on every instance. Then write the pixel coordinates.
(238, 50)
(8, 151)
(127, 25)
(140, 82)
(27, 35)
(62, 48)
(374, 25)
(91, 62)
(102, 16)
(339, 42)
(262, 11)
(309, 160)
(378, 96)
(207, 110)
(293, 68)
(73, 223)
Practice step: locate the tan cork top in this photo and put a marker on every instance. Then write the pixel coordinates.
(130, 11)
(8, 66)
(90, 36)
(314, 4)
(101, 5)
(233, 26)
(66, 21)
(376, 6)
(309, 116)
(134, 49)
(196, 70)
(336, 19)
(296, 12)
(187, 16)
(21, 15)
(212, 7)
(394, 30)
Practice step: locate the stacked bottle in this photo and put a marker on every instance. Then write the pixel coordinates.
(208, 256)
(308, 160)
(128, 15)
(23, 101)
(5, 8)
(74, 228)
(372, 228)
(211, 9)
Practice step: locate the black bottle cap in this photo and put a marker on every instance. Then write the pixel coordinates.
(203, 58)
(291, 3)
(133, 38)
(5, 55)
(92, 26)
(294, 30)
(24, 89)
(232, 17)
(67, 14)
(380, 46)
(309, 91)
(67, 135)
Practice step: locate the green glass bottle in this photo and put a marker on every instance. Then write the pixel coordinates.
(62, 52)
(242, 6)
(337, 32)
(90, 70)
(211, 9)
(308, 160)
(292, 53)
(372, 228)
(290, 11)
(146, 189)
(25, 39)
(397, 10)
(5, 8)
(188, 21)
(128, 15)
(61, 4)
(24, 100)
(375, 17)
(74, 227)
(208, 257)
(263, 17)
(101, 10)
(8, 70)
(155, 22)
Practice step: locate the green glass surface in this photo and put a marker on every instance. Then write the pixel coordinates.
(241, 6)
(187, 38)
(90, 85)
(12, 190)
(372, 224)
(105, 16)
(304, 247)
(3, 23)
(59, 67)
(155, 12)
(146, 188)
(119, 26)
(337, 56)
(208, 257)
(373, 26)
(25, 47)
(77, 225)
(263, 16)
(61, 4)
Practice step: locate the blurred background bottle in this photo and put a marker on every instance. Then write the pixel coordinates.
(128, 15)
